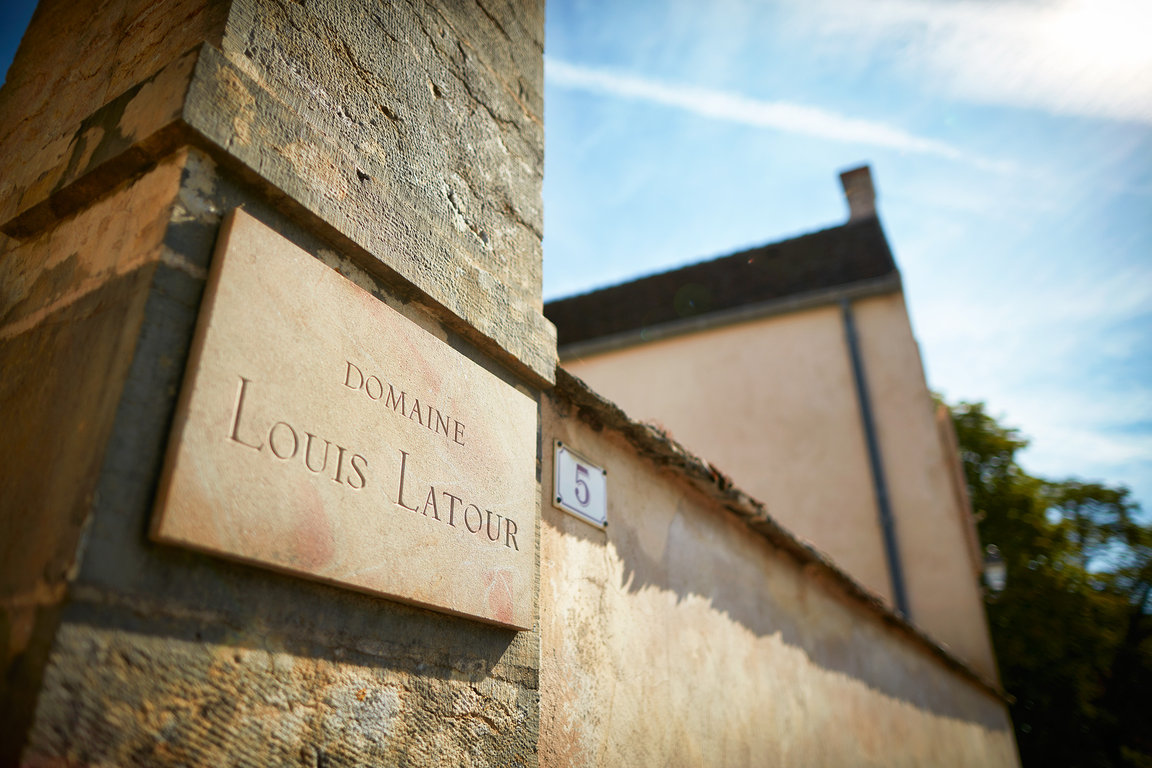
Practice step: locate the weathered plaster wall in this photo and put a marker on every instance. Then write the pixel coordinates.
(679, 636)
(770, 403)
(402, 147)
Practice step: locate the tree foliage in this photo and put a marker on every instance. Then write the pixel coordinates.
(1073, 627)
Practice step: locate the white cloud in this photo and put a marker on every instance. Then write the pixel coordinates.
(735, 108)
(1033, 356)
(1079, 57)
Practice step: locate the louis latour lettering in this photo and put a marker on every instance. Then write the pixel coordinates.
(287, 443)
(399, 401)
(470, 513)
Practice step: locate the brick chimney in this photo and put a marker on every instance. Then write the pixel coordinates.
(859, 192)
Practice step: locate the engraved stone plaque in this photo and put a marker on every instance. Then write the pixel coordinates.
(322, 433)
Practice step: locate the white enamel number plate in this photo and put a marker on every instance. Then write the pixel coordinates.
(581, 487)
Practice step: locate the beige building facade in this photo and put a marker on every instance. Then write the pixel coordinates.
(793, 369)
(395, 150)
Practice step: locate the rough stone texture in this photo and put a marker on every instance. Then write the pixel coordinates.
(413, 132)
(431, 151)
(125, 137)
(676, 636)
(440, 104)
(109, 222)
(71, 304)
(402, 147)
(75, 58)
(212, 693)
(102, 291)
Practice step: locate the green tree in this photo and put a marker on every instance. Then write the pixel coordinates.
(1073, 627)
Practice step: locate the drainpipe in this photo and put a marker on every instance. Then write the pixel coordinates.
(875, 460)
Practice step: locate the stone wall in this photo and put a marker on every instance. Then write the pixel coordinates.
(74, 301)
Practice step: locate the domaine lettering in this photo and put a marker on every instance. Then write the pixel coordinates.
(425, 415)
(286, 442)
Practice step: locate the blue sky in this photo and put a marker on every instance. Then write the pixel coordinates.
(1011, 146)
(1010, 142)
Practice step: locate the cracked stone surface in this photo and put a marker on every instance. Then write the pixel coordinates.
(414, 130)
(439, 108)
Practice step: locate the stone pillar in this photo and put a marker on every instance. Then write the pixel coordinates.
(401, 145)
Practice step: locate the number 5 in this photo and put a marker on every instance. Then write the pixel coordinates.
(583, 495)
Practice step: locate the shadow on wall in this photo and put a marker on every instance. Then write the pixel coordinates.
(709, 555)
